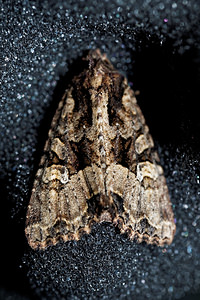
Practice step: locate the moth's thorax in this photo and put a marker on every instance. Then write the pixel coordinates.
(101, 127)
(103, 142)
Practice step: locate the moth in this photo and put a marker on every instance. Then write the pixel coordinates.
(99, 165)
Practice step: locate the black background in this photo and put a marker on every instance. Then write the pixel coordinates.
(156, 45)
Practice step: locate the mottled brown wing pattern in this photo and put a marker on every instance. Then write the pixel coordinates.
(99, 164)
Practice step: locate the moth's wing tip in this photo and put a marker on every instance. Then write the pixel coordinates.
(154, 239)
(52, 241)
(151, 240)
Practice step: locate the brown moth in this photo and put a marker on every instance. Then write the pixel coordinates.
(99, 164)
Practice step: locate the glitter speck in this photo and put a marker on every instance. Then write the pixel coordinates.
(185, 234)
(165, 20)
(194, 223)
(174, 5)
(170, 289)
(189, 249)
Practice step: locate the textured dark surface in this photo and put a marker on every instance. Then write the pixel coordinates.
(155, 43)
